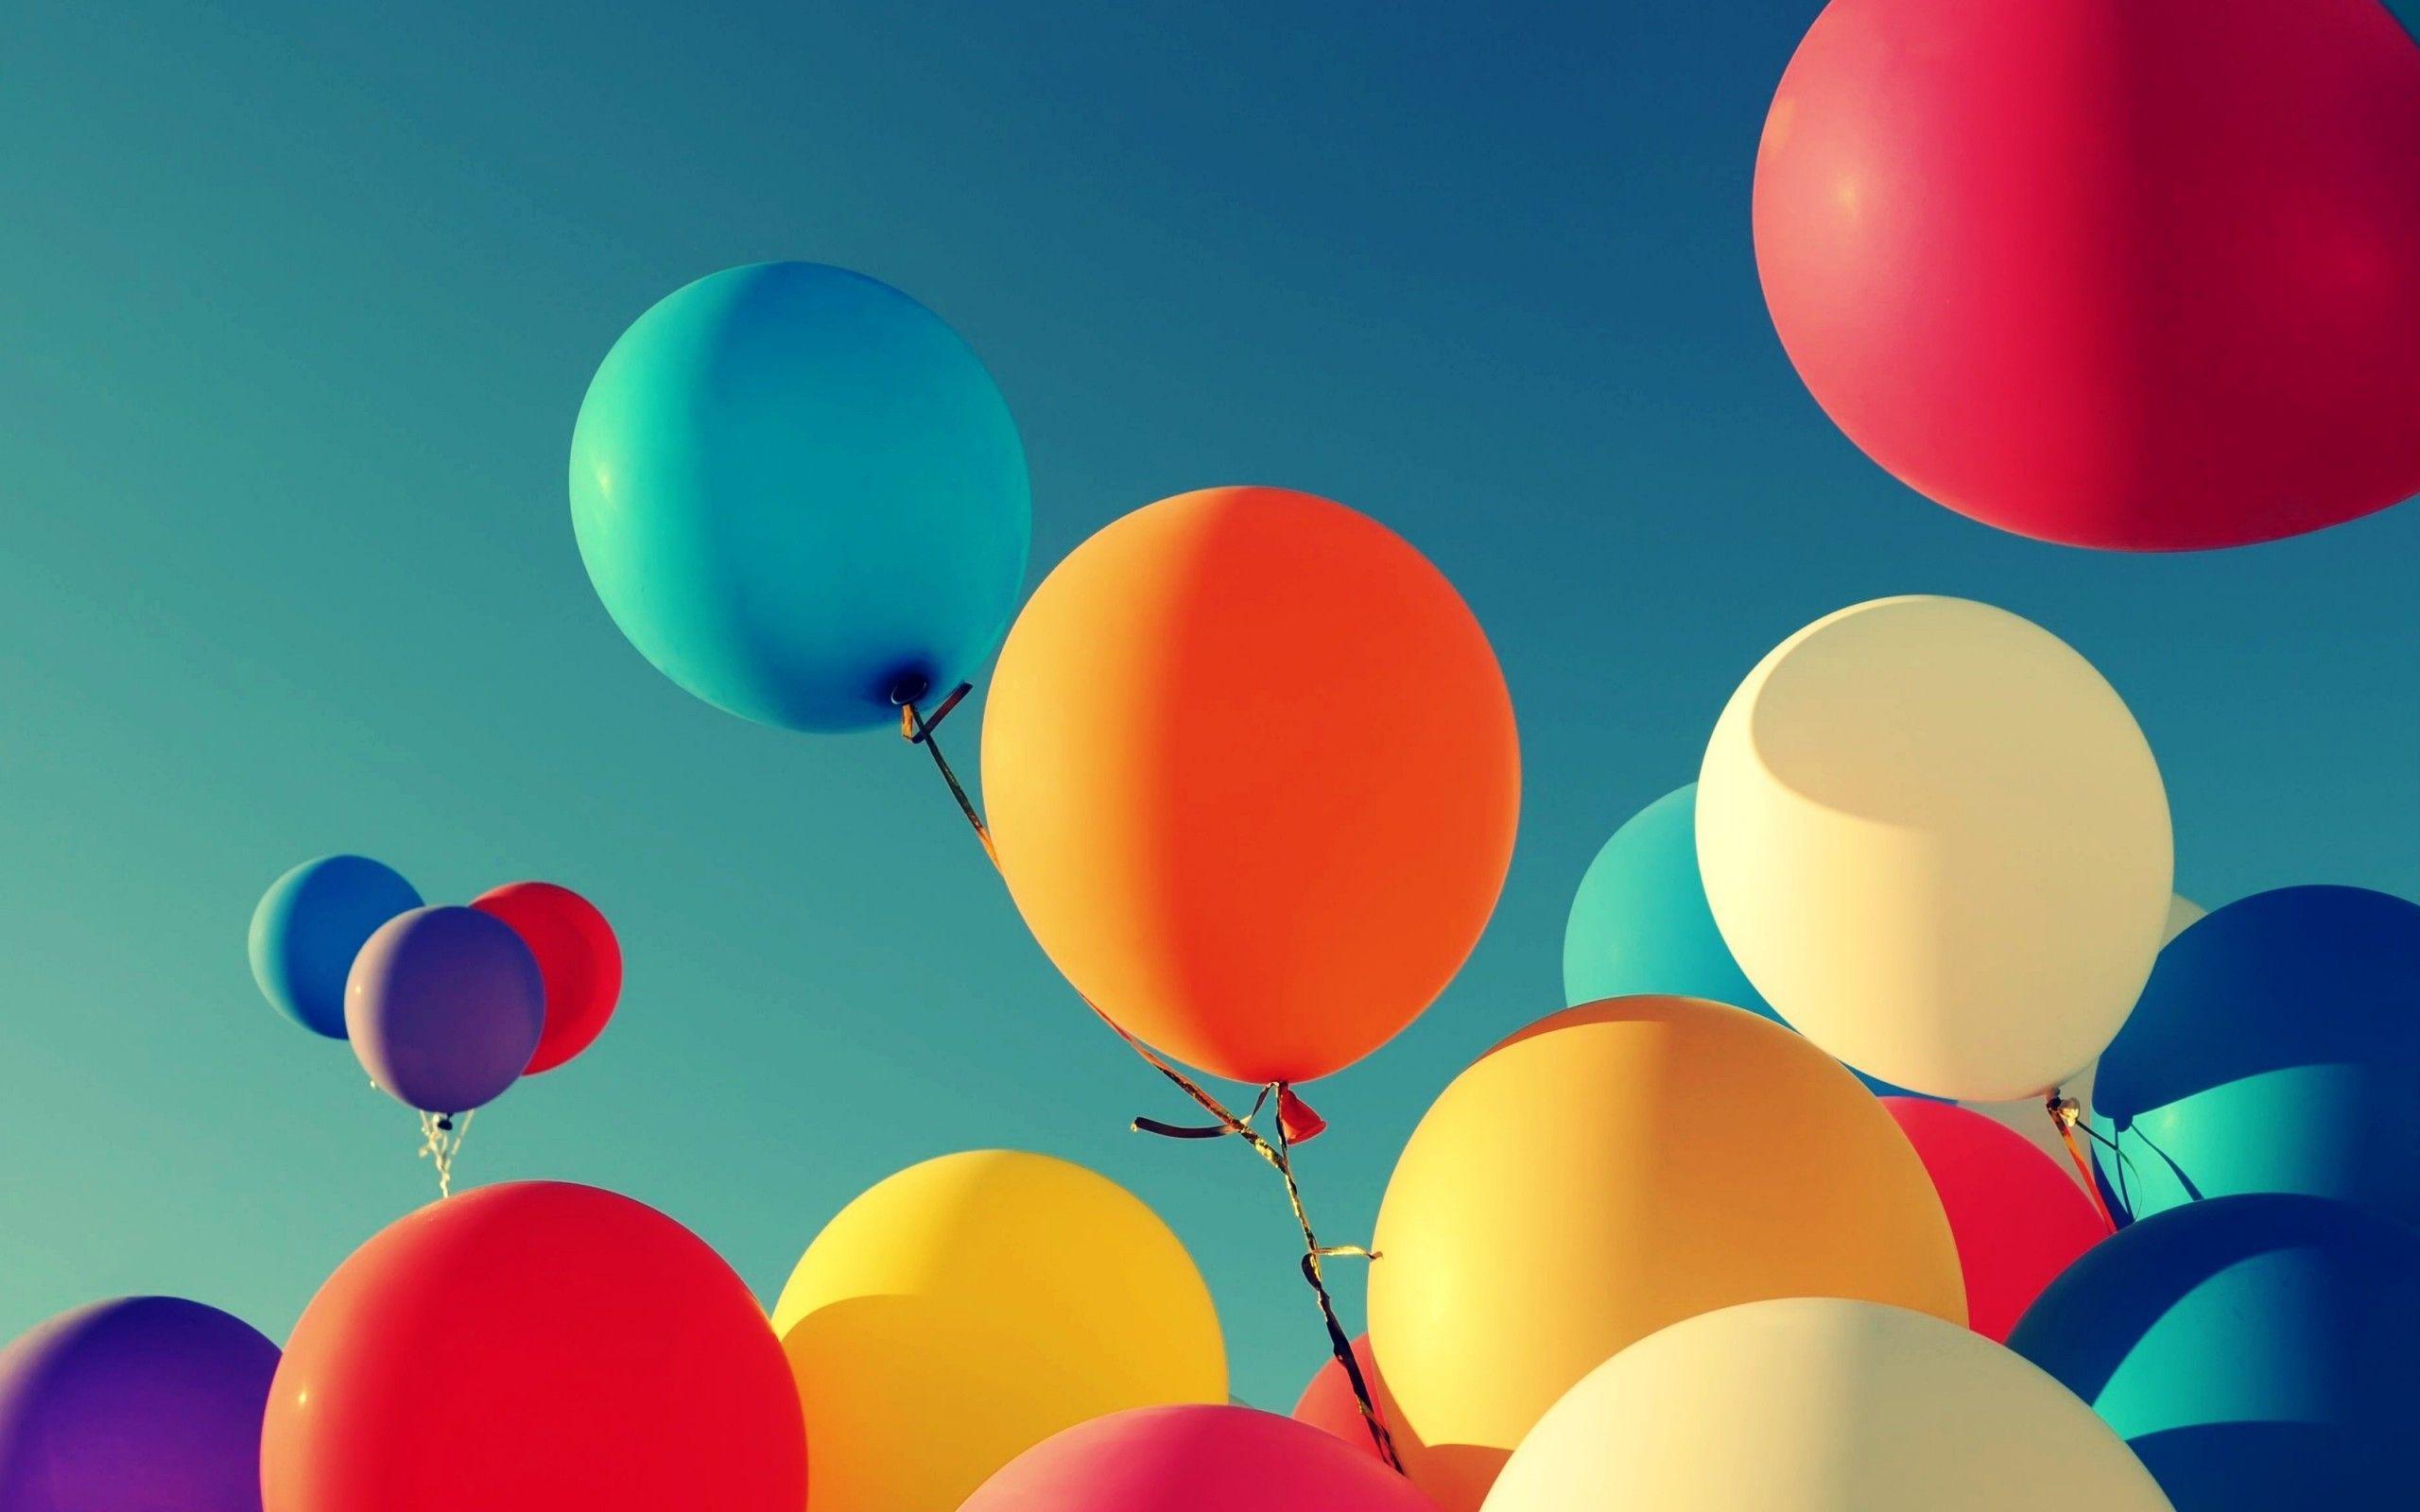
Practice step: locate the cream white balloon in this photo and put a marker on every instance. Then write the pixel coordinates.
(1817, 1405)
(1935, 840)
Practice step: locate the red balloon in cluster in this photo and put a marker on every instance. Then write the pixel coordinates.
(577, 957)
(539, 1347)
(2141, 274)
(2017, 1219)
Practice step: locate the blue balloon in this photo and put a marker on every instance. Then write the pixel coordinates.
(2277, 1048)
(311, 923)
(2257, 1353)
(800, 496)
(1640, 923)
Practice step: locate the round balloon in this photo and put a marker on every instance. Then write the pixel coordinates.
(2276, 1049)
(1937, 842)
(444, 1005)
(134, 1406)
(1194, 1459)
(2029, 1117)
(2140, 274)
(1640, 923)
(1610, 1170)
(1814, 1404)
(800, 496)
(579, 961)
(2019, 1220)
(537, 1346)
(1327, 1402)
(2258, 1351)
(309, 926)
(1252, 777)
(964, 1310)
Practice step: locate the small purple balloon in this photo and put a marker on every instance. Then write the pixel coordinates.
(134, 1406)
(443, 1008)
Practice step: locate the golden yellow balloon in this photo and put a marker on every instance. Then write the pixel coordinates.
(1816, 1405)
(1935, 840)
(961, 1311)
(1613, 1169)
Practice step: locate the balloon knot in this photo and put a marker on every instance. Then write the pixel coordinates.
(1300, 1122)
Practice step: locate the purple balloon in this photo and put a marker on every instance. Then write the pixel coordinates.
(443, 1008)
(134, 1406)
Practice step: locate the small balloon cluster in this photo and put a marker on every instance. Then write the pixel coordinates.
(445, 1006)
(1771, 1215)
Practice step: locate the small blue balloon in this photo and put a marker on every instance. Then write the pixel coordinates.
(800, 496)
(2277, 1048)
(309, 926)
(1640, 923)
(2257, 1351)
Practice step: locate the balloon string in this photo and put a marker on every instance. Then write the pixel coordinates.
(440, 1141)
(2065, 1113)
(916, 730)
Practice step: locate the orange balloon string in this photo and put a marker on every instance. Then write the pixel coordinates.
(916, 730)
(2066, 1112)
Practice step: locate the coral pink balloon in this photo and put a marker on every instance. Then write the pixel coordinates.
(1328, 1401)
(2017, 1218)
(2141, 274)
(1194, 1459)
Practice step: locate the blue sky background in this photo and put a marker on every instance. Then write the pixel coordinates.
(300, 301)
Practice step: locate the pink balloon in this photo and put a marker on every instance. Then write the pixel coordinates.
(1328, 1401)
(1194, 1459)
(2135, 274)
(2018, 1220)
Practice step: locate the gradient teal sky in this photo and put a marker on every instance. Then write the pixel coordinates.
(300, 304)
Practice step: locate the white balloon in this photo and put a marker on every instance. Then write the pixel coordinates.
(1936, 841)
(1816, 1404)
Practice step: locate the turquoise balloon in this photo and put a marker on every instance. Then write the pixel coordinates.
(2258, 1352)
(311, 923)
(1640, 923)
(800, 496)
(2277, 1048)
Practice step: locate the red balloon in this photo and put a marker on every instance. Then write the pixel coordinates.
(536, 1346)
(1196, 1458)
(1328, 1401)
(2018, 1220)
(2141, 274)
(578, 955)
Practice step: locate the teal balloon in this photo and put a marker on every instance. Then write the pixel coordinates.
(800, 496)
(2258, 1352)
(1640, 923)
(311, 923)
(2277, 1048)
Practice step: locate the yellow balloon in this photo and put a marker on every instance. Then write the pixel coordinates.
(1613, 1169)
(2030, 1118)
(961, 1311)
(1937, 842)
(1811, 1405)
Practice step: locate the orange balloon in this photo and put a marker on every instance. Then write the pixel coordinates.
(1252, 777)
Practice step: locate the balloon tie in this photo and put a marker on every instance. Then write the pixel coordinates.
(1296, 1121)
(440, 1141)
(2066, 1114)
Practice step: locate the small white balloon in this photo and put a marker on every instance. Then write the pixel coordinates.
(1936, 841)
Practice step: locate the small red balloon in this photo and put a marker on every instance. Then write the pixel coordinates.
(536, 1346)
(1328, 1401)
(2136, 274)
(2017, 1219)
(578, 955)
